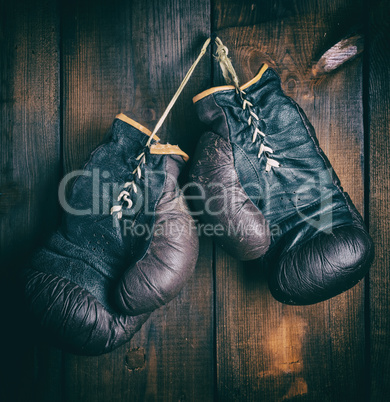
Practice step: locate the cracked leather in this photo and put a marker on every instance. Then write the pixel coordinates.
(319, 246)
(96, 280)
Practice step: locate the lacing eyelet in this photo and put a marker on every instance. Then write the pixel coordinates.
(246, 105)
(124, 195)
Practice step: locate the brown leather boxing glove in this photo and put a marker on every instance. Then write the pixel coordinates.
(94, 283)
(261, 153)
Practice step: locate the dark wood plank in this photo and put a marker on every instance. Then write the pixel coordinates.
(231, 13)
(30, 170)
(130, 57)
(379, 206)
(266, 350)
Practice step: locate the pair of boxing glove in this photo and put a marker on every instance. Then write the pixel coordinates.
(128, 243)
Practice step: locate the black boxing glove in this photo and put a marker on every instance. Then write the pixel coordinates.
(262, 142)
(126, 246)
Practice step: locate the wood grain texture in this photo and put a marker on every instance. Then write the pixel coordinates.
(130, 57)
(30, 169)
(29, 127)
(266, 350)
(379, 205)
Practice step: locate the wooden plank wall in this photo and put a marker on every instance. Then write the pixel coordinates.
(67, 68)
(30, 169)
(378, 146)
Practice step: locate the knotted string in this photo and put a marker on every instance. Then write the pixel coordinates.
(228, 72)
(226, 65)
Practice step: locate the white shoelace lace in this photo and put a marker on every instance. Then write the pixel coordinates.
(124, 196)
(230, 76)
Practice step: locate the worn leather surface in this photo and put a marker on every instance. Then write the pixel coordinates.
(319, 245)
(171, 257)
(97, 279)
(238, 225)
